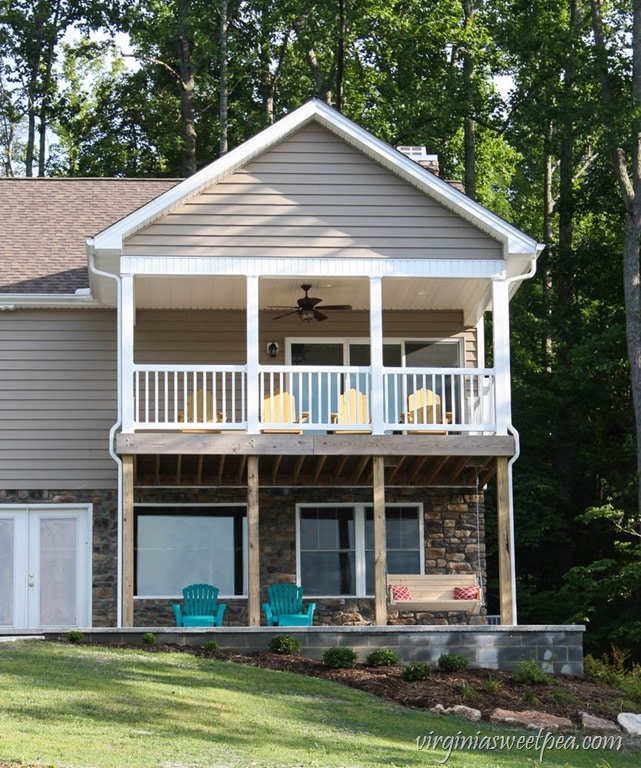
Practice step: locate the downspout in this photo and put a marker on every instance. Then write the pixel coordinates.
(517, 450)
(93, 269)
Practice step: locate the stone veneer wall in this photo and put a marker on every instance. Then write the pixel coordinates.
(104, 545)
(451, 545)
(450, 520)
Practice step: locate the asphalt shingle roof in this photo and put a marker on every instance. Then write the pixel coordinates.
(44, 223)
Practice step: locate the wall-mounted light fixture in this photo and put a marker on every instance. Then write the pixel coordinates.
(273, 348)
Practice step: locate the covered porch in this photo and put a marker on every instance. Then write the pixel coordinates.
(271, 475)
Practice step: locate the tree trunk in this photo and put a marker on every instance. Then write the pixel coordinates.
(469, 140)
(187, 85)
(632, 294)
(340, 66)
(224, 124)
(630, 187)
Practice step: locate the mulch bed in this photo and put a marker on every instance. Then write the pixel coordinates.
(481, 689)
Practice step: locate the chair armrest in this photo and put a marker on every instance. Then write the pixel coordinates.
(311, 607)
(218, 617)
(269, 614)
(177, 614)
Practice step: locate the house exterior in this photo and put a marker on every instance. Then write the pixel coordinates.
(274, 370)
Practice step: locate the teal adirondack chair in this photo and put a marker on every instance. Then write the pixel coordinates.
(200, 607)
(285, 607)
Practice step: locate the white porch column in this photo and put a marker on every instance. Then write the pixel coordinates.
(126, 344)
(254, 397)
(376, 353)
(501, 337)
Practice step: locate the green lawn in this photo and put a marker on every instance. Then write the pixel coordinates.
(69, 705)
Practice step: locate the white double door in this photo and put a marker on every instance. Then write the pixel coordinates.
(45, 567)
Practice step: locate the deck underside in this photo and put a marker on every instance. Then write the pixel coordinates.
(220, 460)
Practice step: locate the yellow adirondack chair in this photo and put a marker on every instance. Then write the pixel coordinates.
(280, 408)
(353, 408)
(423, 407)
(199, 409)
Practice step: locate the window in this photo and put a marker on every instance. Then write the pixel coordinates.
(336, 546)
(190, 544)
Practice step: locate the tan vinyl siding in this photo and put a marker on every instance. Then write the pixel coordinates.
(313, 196)
(219, 337)
(57, 399)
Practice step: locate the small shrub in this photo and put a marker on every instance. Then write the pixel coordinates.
(149, 638)
(530, 698)
(285, 645)
(601, 671)
(530, 673)
(75, 636)
(469, 692)
(417, 670)
(210, 646)
(631, 684)
(452, 662)
(493, 685)
(340, 658)
(381, 657)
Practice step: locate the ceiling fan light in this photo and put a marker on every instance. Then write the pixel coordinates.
(307, 315)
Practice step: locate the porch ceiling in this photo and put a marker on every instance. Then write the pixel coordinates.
(190, 460)
(229, 293)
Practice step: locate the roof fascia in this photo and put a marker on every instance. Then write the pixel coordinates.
(13, 301)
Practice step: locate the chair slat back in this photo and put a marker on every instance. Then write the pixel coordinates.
(200, 600)
(425, 407)
(353, 408)
(285, 598)
(280, 408)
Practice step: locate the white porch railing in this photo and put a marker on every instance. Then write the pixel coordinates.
(312, 399)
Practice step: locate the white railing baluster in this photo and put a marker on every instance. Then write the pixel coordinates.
(163, 394)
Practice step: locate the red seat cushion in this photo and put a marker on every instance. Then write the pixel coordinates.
(466, 593)
(400, 593)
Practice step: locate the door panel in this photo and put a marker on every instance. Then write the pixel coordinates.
(45, 568)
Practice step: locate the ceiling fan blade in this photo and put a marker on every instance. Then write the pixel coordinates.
(319, 315)
(345, 307)
(291, 312)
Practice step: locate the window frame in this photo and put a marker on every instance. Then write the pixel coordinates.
(360, 551)
(236, 511)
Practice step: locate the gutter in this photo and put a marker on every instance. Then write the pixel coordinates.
(93, 269)
(517, 448)
(10, 302)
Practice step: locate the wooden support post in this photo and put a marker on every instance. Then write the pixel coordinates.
(505, 543)
(253, 562)
(380, 546)
(127, 582)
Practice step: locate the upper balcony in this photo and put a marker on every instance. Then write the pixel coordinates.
(314, 399)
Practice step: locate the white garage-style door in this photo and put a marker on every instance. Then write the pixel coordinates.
(45, 567)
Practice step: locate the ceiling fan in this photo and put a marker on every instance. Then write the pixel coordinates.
(308, 309)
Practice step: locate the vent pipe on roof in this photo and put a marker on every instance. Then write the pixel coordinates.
(420, 155)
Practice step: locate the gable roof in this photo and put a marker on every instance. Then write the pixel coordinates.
(514, 241)
(45, 223)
